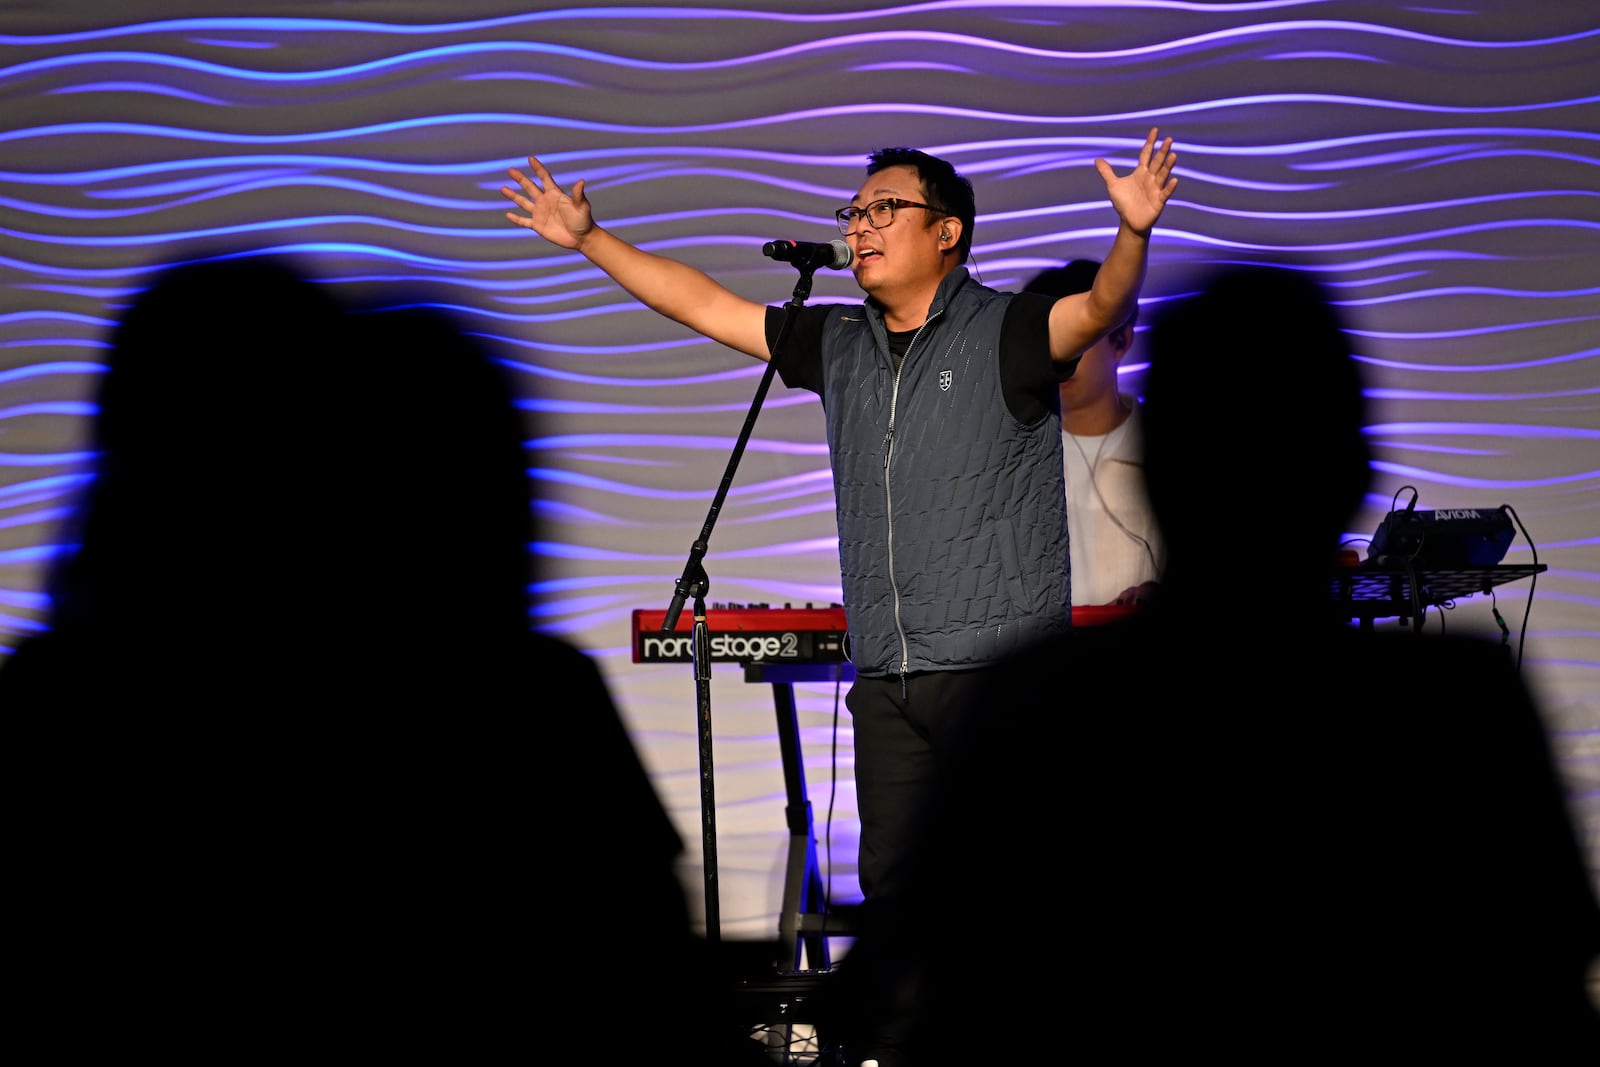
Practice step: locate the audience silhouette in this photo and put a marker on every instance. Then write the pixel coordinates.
(292, 772)
(1235, 824)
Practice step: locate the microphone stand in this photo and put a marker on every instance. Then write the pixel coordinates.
(695, 583)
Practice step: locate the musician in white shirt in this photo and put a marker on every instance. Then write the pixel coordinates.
(1116, 549)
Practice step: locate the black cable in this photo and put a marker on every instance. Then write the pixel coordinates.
(1494, 609)
(1533, 581)
(1418, 608)
(1116, 520)
(826, 875)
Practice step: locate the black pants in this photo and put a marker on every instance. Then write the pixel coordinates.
(904, 731)
(903, 728)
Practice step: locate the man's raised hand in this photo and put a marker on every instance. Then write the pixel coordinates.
(552, 213)
(1140, 195)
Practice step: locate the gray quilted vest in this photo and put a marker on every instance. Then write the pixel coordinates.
(952, 515)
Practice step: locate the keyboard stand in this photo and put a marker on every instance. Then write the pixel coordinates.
(1367, 592)
(806, 921)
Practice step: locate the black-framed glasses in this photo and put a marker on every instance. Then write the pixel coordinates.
(880, 213)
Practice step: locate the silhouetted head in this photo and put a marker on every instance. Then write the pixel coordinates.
(274, 469)
(216, 434)
(452, 489)
(1254, 425)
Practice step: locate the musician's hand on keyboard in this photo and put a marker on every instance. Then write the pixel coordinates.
(1137, 595)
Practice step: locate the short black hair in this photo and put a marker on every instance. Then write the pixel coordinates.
(947, 190)
(1074, 276)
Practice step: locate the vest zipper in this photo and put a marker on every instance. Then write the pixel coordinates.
(888, 502)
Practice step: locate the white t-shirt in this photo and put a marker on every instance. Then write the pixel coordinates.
(1109, 529)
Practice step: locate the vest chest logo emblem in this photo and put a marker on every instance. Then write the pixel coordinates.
(945, 378)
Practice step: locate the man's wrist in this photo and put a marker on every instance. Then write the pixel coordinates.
(582, 241)
(1143, 235)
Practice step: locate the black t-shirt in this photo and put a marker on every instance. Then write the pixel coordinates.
(1028, 377)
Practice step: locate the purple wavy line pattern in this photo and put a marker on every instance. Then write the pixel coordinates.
(1439, 170)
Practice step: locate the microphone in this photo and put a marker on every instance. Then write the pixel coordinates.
(835, 255)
